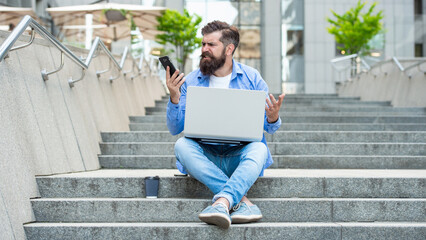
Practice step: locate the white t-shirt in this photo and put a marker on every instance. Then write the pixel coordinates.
(220, 82)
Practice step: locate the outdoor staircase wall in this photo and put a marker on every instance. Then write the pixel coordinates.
(389, 83)
(49, 128)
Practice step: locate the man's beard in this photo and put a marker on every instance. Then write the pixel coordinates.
(209, 66)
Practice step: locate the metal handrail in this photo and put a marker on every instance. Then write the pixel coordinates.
(126, 53)
(415, 65)
(398, 64)
(141, 60)
(152, 68)
(24, 45)
(395, 60)
(28, 21)
(123, 60)
(98, 43)
(382, 63)
(365, 64)
(139, 66)
(339, 59)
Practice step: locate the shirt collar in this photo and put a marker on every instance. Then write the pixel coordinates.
(236, 69)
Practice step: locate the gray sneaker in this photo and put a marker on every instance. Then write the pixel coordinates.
(217, 215)
(245, 214)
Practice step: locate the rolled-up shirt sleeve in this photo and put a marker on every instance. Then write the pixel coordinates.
(272, 127)
(176, 114)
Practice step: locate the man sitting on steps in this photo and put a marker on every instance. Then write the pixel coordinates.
(227, 170)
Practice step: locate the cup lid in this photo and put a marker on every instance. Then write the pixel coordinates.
(153, 177)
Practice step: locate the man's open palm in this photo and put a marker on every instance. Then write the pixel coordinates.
(273, 108)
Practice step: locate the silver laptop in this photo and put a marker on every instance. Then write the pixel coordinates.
(224, 115)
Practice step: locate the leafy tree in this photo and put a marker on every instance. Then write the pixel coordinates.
(180, 30)
(354, 29)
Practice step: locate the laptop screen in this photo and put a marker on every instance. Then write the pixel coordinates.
(223, 115)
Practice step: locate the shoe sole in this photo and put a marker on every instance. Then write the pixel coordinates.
(220, 220)
(246, 219)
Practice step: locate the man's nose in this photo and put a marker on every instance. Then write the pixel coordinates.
(205, 48)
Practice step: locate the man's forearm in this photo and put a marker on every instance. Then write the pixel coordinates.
(175, 120)
(272, 127)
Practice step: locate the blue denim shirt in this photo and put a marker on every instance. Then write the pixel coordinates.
(243, 77)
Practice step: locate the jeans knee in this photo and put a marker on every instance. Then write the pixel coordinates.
(260, 146)
(185, 147)
(258, 152)
(181, 146)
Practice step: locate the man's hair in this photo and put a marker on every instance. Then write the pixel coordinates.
(230, 34)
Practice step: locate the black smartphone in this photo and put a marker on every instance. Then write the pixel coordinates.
(165, 61)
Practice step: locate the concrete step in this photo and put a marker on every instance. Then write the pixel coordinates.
(263, 230)
(137, 162)
(313, 119)
(306, 96)
(322, 113)
(310, 127)
(281, 136)
(276, 183)
(294, 148)
(318, 101)
(325, 95)
(187, 210)
(330, 108)
(318, 131)
(316, 96)
(280, 161)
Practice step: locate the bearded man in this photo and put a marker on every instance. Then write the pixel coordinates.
(227, 170)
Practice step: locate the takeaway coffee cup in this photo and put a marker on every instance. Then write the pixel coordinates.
(151, 186)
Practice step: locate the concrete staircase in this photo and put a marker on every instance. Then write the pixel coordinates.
(344, 169)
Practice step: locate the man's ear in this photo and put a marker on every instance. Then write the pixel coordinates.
(230, 49)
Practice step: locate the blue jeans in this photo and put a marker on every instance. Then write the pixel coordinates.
(227, 170)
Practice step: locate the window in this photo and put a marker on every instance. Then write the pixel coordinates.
(418, 7)
(293, 62)
(244, 14)
(418, 50)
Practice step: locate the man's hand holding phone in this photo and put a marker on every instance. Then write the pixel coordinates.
(173, 79)
(173, 83)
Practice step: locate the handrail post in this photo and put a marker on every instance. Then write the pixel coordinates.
(98, 73)
(365, 64)
(131, 70)
(13, 37)
(111, 78)
(138, 67)
(123, 60)
(28, 21)
(46, 74)
(398, 64)
(71, 82)
(23, 45)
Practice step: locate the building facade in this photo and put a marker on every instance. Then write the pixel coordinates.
(295, 47)
(287, 40)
